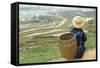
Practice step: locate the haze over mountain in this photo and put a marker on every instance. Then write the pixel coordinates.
(31, 13)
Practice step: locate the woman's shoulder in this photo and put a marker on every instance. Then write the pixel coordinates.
(75, 30)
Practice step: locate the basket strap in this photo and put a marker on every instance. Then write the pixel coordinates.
(80, 39)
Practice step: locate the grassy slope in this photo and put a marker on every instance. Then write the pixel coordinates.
(48, 49)
(91, 40)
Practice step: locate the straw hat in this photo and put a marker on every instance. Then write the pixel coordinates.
(78, 21)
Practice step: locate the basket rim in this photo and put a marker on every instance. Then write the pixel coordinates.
(67, 33)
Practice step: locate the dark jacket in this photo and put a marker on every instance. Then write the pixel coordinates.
(81, 38)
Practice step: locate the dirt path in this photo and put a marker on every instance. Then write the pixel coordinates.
(63, 21)
(51, 31)
(60, 24)
(88, 55)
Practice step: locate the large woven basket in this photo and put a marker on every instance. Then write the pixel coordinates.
(68, 45)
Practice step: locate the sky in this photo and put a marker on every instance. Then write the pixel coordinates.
(31, 10)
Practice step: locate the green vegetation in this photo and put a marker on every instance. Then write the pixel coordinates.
(46, 48)
(91, 40)
(40, 54)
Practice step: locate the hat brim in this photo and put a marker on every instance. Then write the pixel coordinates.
(78, 25)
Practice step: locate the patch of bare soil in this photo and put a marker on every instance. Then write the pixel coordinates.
(89, 54)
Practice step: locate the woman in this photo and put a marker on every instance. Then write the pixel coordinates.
(78, 23)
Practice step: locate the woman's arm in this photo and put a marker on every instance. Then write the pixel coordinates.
(84, 37)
